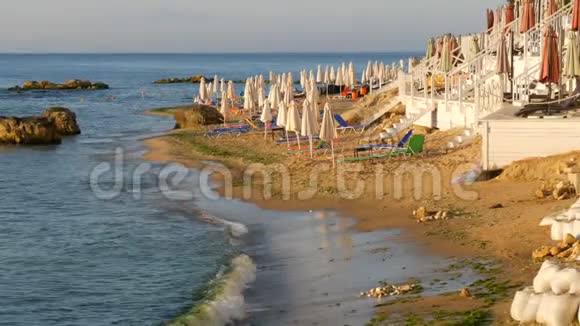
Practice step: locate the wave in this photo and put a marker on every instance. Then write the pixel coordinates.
(235, 229)
(224, 302)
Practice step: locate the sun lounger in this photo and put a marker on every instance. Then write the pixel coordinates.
(372, 147)
(228, 131)
(295, 139)
(415, 147)
(344, 126)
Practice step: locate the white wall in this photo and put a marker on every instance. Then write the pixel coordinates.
(505, 141)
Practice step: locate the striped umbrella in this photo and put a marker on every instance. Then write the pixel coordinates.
(576, 16)
(572, 62)
(502, 64)
(528, 19)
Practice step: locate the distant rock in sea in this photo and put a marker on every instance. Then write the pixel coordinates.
(74, 84)
(193, 79)
(46, 129)
(191, 116)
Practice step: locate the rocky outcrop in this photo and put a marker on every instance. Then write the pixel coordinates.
(196, 115)
(193, 79)
(43, 130)
(64, 120)
(74, 84)
(28, 131)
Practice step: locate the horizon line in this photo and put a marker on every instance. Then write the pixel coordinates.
(216, 52)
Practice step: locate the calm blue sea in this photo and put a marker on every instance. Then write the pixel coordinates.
(68, 258)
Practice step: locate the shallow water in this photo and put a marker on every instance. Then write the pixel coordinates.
(68, 258)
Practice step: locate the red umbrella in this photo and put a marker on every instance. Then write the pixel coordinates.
(550, 68)
(527, 21)
(509, 14)
(552, 7)
(489, 20)
(576, 16)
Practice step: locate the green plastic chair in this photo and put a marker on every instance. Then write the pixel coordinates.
(416, 146)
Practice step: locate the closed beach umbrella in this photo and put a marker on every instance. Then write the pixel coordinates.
(293, 121)
(509, 14)
(572, 62)
(474, 47)
(489, 20)
(266, 118)
(326, 75)
(223, 88)
(339, 79)
(261, 97)
(550, 65)
(351, 74)
(249, 97)
(202, 90)
(307, 128)
(215, 84)
(210, 90)
(333, 74)
(281, 119)
(576, 16)
(528, 19)
(502, 64)
(445, 64)
(319, 76)
(225, 108)
(454, 49)
(430, 48)
(231, 90)
(328, 130)
(552, 7)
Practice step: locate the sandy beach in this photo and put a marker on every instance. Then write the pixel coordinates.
(493, 230)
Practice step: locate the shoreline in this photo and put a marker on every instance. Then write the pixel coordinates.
(480, 232)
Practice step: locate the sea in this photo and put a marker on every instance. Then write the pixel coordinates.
(69, 256)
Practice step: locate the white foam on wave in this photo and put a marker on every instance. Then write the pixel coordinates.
(225, 301)
(235, 229)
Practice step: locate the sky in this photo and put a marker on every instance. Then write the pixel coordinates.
(191, 26)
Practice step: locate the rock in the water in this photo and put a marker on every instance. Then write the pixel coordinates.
(64, 119)
(197, 115)
(193, 79)
(73, 84)
(28, 131)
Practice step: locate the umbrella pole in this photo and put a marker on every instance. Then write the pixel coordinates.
(287, 140)
(332, 151)
(310, 140)
(298, 137)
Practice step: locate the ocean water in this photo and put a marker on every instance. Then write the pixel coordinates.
(70, 258)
